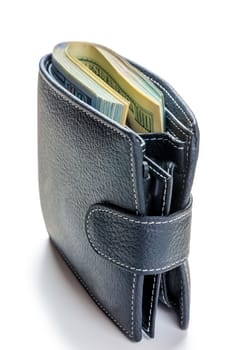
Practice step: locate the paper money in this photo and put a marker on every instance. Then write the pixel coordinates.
(146, 110)
(84, 84)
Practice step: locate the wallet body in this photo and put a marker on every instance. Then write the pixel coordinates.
(117, 204)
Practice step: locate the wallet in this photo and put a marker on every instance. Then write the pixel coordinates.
(117, 204)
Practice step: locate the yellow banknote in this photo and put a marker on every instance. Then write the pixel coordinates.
(146, 110)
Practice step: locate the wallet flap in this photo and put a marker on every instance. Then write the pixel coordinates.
(143, 244)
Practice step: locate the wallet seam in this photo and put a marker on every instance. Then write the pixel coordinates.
(163, 275)
(188, 144)
(109, 212)
(172, 133)
(165, 188)
(132, 304)
(166, 302)
(164, 139)
(181, 303)
(173, 100)
(151, 304)
(163, 222)
(154, 280)
(96, 300)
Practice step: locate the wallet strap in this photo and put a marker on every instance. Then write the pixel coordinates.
(141, 244)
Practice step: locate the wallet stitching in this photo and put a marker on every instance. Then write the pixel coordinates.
(175, 263)
(166, 302)
(151, 304)
(94, 298)
(108, 212)
(172, 98)
(163, 297)
(165, 188)
(188, 143)
(163, 283)
(53, 88)
(181, 303)
(153, 288)
(172, 133)
(177, 127)
(163, 139)
(132, 303)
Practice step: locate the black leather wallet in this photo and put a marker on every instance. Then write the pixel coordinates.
(117, 204)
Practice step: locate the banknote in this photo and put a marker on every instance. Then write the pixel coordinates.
(146, 109)
(87, 86)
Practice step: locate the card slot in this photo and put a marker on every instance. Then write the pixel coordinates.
(160, 188)
(165, 147)
(177, 129)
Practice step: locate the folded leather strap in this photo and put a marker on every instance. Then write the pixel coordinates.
(143, 244)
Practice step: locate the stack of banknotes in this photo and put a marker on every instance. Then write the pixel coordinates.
(109, 83)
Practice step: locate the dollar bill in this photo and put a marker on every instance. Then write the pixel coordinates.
(87, 86)
(146, 109)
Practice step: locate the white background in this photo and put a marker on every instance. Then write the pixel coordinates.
(190, 44)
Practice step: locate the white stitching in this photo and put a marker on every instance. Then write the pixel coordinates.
(132, 303)
(91, 294)
(163, 276)
(137, 222)
(175, 263)
(106, 125)
(181, 303)
(165, 187)
(189, 139)
(151, 304)
(172, 133)
(163, 295)
(155, 171)
(163, 139)
(187, 159)
(172, 98)
(166, 302)
(177, 126)
(164, 195)
(183, 183)
(107, 211)
(153, 287)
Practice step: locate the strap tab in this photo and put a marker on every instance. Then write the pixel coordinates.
(141, 244)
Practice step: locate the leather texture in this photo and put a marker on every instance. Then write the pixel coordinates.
(143, 244)
(88, 161)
